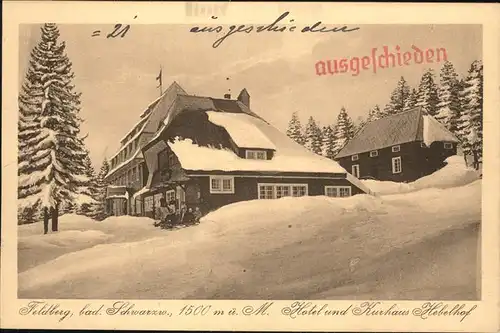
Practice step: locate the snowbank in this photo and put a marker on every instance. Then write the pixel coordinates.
(66, 222)
(278, 249)
(454, 174)
(77, 233)
(68, 238)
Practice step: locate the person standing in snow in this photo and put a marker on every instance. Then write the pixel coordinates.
(197, 215)
(162, 212)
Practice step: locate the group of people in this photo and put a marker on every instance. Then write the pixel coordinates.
(168, 214)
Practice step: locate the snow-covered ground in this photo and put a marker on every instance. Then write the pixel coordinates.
(417, 245)
(454, 173)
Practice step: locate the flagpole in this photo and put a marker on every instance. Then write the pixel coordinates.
(159, 78)
(161, 81)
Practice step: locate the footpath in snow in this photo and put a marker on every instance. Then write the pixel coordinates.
(419, 244)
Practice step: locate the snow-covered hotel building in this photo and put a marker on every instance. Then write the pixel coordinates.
(209, 152)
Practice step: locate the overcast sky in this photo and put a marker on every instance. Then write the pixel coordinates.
(117, 76)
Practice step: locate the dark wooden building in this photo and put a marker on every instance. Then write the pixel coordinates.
(401, 148)
(210, 152)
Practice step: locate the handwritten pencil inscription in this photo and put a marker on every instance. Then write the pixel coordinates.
(277, 26)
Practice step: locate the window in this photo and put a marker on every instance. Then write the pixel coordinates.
(282, 191)
(338, 191)
(299, 190)
(130, 178)
(148, 204)
(423, 145)
(163, 159)
(138, 204)
(138, 174)
(171, 160)
(396, 149)
(448, 145)
(256, 154)
(355, 170)
(134, 175)
(396, 165)
(266, 192)
(355, 157)
(221, 184)
(276, 191)
(374, 153)
(170, 196)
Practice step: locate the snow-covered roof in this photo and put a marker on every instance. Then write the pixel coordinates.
(137, 154)
(122, 196)
(289, 156)
(199, 103)
(434, 131)
(141, 191)
(125, 145)
(194, 157)
(397, 129)
(244, 133)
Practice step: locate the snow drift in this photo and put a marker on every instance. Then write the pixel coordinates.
(454, 174)
(290, 248)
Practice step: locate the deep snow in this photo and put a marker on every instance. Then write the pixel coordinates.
(454, 173)
(418, 245)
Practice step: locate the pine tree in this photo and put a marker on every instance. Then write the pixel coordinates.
(344, 130)
(427, 96)
(374, 114)
(399, 97)
(99, 209)
(411, 101)
(294, 130)
(313, 136)
(449, 100)
(360, 122)
(470, 124)
(328, 144)
(51, 152)
(88, 189)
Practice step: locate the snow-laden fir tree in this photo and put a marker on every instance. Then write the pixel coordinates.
(313, 136)
(449, 101)
(294, 130)
(359, 124)
(399, 97)
(411, 101)
(99, 209)
(51, 152)
(427, 96)
(470, 124)
(344, 130)
(88, 189)
(328, 143)
(374, 114)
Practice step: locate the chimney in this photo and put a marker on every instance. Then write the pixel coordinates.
(227, 96)
(244, 97)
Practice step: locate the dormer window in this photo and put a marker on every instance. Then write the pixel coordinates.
(256, 155)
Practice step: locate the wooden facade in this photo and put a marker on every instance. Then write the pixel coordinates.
(193, 188)
(179, 116)
(417, 160)
(401, 147)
